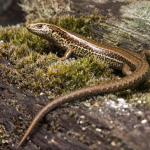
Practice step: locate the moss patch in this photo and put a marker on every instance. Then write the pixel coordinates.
(32, 68)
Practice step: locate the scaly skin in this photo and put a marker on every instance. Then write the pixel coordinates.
(133, 65)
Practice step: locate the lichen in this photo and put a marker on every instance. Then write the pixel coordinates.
(4, 137)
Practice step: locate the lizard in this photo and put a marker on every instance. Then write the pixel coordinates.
(133, 66)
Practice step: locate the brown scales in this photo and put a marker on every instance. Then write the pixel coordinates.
(135, 67)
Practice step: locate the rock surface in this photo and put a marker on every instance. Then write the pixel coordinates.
(104, 122)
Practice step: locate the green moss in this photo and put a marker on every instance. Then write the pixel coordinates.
(61, 76)
(77, 25)
(82, 25)
(74, 74)
(19, 36)
(35, 69)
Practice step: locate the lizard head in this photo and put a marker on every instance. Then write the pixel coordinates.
(41, 29)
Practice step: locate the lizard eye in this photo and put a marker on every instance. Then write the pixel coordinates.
(39, 26)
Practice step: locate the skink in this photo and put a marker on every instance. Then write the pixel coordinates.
(133, 65)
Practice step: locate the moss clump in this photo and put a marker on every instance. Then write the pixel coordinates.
(80, 25)
(72, 75)
(19, 36)
(35, 69)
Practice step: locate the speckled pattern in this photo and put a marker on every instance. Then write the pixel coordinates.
(66, 39)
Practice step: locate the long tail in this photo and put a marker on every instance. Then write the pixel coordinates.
(127, 82)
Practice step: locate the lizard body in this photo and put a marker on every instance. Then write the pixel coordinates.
(133, 65)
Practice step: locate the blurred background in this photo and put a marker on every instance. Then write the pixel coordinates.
(10, 12)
